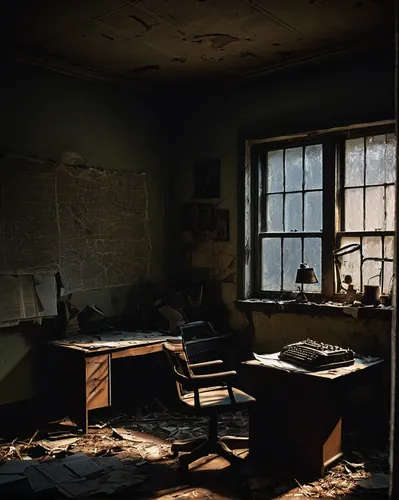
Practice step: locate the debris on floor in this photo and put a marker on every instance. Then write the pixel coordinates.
(74, 476)
(133, 451)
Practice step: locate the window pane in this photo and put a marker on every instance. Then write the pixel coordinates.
(354, 210)
(313, 166)
(312, 256)
(390, 159)
(293, 169)
(350, 263)
(390, 208)
(388, 247)
(354, 162)
(275, 212)
(293, 212)
(388, 277)
(372, 247)
(388, 266)
(313, 211)
(375, 159)
(271, 264)
(375, 210)
(275, 171)
(291, 261)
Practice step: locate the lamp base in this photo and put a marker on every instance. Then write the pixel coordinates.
(301, 297)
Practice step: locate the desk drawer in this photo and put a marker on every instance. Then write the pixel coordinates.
(97, 382)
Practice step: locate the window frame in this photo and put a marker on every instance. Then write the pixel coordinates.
(333, 142)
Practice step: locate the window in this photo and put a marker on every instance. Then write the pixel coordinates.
(310, 195)
(367, 208)
(290, 215)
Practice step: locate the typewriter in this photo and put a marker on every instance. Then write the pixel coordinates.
(314, 355)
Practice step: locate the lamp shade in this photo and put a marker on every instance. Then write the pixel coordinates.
(306, 274)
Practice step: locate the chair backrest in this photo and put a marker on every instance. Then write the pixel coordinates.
(200, 338)
(178, 363)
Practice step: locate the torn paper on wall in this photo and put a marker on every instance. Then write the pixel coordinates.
(46, 289)
(18, 298)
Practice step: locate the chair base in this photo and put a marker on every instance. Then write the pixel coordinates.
(203, 446)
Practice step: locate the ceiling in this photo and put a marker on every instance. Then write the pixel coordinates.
(178, 41)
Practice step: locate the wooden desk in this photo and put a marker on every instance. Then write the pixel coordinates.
(76, 373)
(297, 423)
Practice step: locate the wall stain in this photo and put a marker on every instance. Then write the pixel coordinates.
(107, 36)
(247, 54)
(179, 59)
(146, 26)
(217, 40)
(148, 67)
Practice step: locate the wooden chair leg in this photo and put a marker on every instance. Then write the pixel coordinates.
(235, 442)
(201, 451)
(225, 452)
(184, 446)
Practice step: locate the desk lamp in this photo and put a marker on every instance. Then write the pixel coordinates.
(305, 275)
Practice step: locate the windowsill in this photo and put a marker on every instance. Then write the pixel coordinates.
(332, 309)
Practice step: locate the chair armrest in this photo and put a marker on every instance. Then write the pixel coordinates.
(206, 363)
(210, 379)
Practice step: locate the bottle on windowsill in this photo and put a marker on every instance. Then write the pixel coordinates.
(350, 294)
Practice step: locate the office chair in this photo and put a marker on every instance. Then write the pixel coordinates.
(206, 395)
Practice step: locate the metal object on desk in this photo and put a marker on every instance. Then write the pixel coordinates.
(316, 355)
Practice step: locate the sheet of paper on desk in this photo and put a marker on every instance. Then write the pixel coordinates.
(273, 361)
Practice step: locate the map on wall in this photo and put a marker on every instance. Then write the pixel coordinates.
(103, 228)
(89, 224)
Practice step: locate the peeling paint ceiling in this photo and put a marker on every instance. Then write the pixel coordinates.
(177, 41)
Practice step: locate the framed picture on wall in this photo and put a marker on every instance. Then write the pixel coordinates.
(207, 178)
